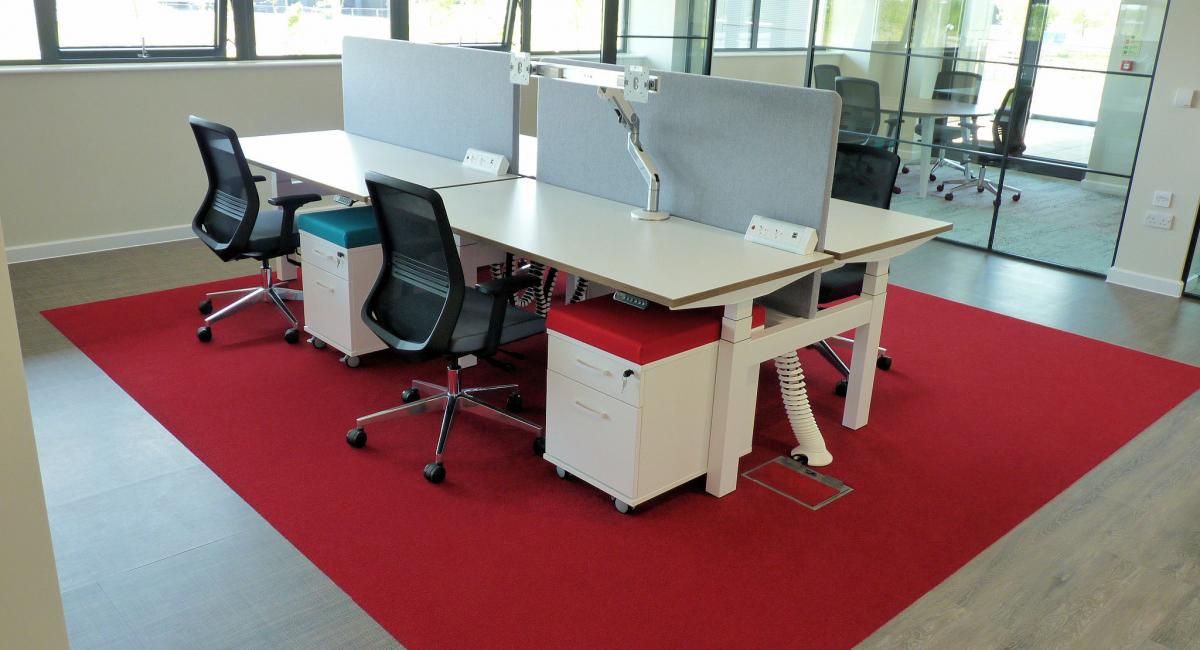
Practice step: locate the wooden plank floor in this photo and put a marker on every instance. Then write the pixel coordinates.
(1112, 562)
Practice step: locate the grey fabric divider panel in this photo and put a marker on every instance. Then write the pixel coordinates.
(433, 98)
(726, 150)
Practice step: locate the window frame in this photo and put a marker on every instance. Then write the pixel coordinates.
(238, 12)
(756, 25)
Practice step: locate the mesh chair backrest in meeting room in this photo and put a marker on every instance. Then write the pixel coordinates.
(825, 76)
(422, 307)
(1008, 138)
(861, 174)
(861, 114)
(230, 223)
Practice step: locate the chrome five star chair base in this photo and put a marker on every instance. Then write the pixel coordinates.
(270, 291)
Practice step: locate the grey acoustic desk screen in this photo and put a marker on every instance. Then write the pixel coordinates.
(433, 98)
(726, 149)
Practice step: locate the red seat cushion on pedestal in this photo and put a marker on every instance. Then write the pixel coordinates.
(636, 335)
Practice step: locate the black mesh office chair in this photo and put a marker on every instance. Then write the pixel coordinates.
(230, 224)
(955, 86)
(1008, 136)
(861, 114)
(861, 174)
(421, 307)
(825, 76)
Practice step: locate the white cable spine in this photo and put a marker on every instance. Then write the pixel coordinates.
(799, 412)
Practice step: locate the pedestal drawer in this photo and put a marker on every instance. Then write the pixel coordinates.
(595, 433)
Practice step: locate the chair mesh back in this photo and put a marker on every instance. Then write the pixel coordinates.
(231, 204)
(825, 76)
(860, 106)
(957, 86)
(865, 175)
(419, 293)
(1008, 126)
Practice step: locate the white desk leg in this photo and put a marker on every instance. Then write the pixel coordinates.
(866, 344)
(733, 400)
(928, 124)
(283, 269)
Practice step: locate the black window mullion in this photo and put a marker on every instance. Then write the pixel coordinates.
(46, 13)
(243, 28)
(711, 34)
(755, 14)
(610, 20)
(398, 12)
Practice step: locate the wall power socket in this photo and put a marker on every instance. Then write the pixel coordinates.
(486, 161)
(1164, 220)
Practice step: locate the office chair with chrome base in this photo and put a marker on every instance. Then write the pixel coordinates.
(861, 174)
(861, 115)
(955, 86)
(1008, 137)
(230, 224)
(422, 307)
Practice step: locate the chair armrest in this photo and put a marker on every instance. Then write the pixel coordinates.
(258, 178)
(508, 285)
(293, 201)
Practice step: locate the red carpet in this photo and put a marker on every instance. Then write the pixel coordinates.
(983, 420)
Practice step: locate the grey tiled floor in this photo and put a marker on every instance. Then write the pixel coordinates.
(155, 551)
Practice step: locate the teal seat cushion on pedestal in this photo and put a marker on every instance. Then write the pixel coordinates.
(348, 228)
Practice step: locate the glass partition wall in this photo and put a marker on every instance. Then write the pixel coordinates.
(1018, 120)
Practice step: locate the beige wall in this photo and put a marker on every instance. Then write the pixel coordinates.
(1167, 160)
(31, 614)
(93, 151)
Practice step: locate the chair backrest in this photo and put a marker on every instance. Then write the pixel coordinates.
(227, 214)
(958, 86)
(418, 295)
(825, 76)
(864, 174)
(1008, 125)
(860, 108)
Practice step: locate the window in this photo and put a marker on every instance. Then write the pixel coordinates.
(566, 26)
(18, 32)
(762, 24)
(290, 27)
(138, 25)
(476, 22)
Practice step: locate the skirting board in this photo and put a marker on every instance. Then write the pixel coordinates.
(1151, 283)
(81, 245)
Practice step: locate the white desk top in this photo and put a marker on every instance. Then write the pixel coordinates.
(855, 229)
(924, 107)
(676, 262)
(340, 161)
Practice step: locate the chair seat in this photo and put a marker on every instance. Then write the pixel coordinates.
(265, 240)
(841, 283)
(472, 326)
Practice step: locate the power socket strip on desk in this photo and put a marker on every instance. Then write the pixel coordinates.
(486, 162)
(790, 237)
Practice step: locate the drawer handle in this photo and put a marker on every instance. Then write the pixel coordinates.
(592, 368)
(323, 285)
(587, 409)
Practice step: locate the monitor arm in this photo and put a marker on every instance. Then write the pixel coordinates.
(629, 119)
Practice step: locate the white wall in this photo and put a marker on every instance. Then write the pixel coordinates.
(1169, 156)
(95, 151)
(31, 614)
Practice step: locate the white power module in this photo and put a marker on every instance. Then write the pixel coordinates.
(783, 235)
(485, 161)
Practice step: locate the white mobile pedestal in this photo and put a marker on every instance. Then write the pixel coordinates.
(340, 267)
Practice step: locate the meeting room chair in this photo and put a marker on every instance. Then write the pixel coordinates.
(861, 174)
(422, 307)
(1008, 137)
(825, 76)
(962, 87)
(231, 225)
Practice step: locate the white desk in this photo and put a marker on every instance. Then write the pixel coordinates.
(337, 162)
(678, 263)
